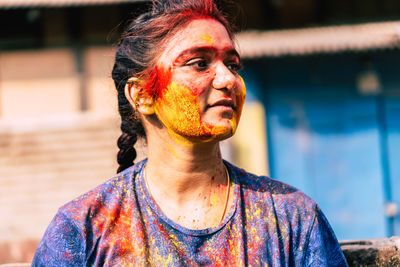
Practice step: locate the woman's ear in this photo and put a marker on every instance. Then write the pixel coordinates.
(138, 97)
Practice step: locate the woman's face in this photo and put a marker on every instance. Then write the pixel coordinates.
(200, 95)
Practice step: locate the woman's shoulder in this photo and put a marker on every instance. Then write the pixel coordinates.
(78, 225)
(105, 196)
(282, 195)
(299, 223)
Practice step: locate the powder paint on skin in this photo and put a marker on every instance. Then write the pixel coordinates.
(208, 38)
(213, 200)
(213, 195)
(156, 81)
(240, 98)
(178, 108)
(173, 152)
(219, 190)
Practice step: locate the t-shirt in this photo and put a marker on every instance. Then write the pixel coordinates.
(119, 224)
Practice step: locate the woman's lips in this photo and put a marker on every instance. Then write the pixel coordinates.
(223, 103)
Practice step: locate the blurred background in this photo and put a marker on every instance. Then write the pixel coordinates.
(322, 112)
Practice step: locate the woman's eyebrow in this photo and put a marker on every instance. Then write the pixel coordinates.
(232, 52)
(207, 49)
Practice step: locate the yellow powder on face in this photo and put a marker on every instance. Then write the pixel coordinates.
(240, 98)
(208, 38)
(179, 111)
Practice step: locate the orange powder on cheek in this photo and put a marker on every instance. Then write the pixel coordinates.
(179, 111)
(175, 105)
(240, 98)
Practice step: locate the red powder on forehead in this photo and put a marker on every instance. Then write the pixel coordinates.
(192, 15)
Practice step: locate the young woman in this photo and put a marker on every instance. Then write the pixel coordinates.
(176, 72)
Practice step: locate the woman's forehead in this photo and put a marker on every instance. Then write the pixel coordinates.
(197, 33)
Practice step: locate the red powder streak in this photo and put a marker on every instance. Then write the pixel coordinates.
(193, 16)
(157, 80)
(199, 91)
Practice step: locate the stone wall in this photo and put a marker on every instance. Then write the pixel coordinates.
(372, 252)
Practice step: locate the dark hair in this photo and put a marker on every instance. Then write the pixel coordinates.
(138, 49)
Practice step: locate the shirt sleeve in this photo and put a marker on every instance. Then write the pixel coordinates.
(323, 248)
(62, 244)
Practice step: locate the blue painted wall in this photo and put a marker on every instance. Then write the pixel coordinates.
(326, 138)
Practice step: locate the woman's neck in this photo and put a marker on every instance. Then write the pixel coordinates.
(180, 170)
(188, 182)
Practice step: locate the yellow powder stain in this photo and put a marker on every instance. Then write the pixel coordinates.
(218, 130)
(240, 98)
(169, 260)
(208, 38)
(179, 111)
(213, 199)
(173, 152)
(257, 212)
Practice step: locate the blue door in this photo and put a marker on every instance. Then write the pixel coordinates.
(338, 145)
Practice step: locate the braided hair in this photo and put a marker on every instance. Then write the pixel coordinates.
(138, 48)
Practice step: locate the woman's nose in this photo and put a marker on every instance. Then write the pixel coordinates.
(224, 78)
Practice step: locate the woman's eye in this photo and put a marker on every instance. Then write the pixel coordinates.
(235, 67)
(199, 64)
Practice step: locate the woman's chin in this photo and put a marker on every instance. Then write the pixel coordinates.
(217, 132)
(210, 139)
(214, 134)
(203, 132)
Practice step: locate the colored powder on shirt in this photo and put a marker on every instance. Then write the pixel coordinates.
(269, 224)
